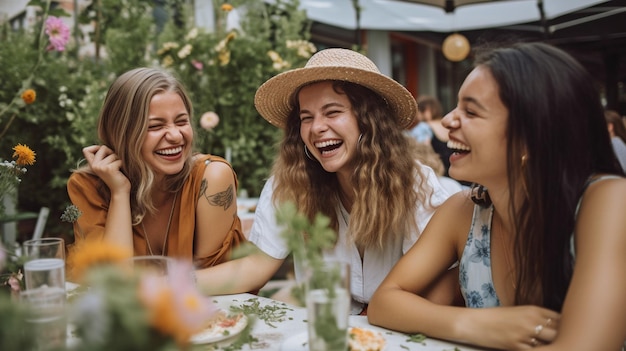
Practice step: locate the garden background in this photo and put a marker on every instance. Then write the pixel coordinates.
(221, 69)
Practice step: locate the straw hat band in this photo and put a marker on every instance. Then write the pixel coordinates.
(273, 98)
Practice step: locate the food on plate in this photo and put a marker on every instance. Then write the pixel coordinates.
(223, 325)
(362, 339)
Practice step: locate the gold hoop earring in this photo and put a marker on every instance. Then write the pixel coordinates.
(524, 185)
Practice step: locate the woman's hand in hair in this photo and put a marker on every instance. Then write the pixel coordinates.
(105, 164)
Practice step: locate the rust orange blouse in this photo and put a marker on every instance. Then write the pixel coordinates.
(83, 192)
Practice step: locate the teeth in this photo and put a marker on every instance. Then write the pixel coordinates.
(170, 151)
(327, 143)
(455, 145)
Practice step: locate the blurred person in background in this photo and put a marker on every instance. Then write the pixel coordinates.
(617, 132)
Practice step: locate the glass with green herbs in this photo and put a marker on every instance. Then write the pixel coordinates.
(328, 305)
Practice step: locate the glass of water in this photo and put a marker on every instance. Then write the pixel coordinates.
(328, 306)
(45, 263)
(46, 316)
(45, 296)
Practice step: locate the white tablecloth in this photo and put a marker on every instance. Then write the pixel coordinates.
(290, 334)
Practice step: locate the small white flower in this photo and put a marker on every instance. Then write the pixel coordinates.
(185, 51)
(193, 33)
(209, 120)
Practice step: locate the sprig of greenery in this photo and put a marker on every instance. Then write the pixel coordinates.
(306, 240)
(71, 215)
(418, 338)
(274, 313)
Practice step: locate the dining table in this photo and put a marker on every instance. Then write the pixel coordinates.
(278, 326)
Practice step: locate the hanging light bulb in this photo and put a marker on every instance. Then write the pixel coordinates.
(456, 47)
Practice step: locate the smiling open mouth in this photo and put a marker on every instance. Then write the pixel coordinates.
(457, 147)
(170, 152)
(328, 146)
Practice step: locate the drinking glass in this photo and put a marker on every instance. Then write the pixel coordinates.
(328, 305)
(44, 265)
(46, 316)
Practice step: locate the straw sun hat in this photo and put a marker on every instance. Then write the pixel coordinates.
(273, 98)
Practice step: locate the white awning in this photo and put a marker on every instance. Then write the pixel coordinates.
(405, 16)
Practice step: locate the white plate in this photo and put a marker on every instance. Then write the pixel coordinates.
(227, 326)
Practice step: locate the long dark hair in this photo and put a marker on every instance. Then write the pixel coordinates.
(556, 139)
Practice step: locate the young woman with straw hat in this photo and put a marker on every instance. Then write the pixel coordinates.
(344, 154)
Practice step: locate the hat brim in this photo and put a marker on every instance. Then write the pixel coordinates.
(273, 99)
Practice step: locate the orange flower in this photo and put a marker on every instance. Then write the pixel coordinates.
(29, 96)
(175, 305)
(25, 156)
(91, 253)
(227, 7)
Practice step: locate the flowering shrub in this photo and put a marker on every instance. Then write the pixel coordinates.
(221, 69)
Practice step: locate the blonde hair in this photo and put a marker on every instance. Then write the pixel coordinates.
(427, 155)
(385, 168)
(122, 126)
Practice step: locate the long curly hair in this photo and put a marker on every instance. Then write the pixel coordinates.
(556, 139)
(385, 170)
(122, 126)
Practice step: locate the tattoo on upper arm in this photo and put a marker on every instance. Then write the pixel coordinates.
(223, 199)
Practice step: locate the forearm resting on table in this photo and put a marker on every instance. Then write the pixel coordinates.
(409, 313)
(244, 274)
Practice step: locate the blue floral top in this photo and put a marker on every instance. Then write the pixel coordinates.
(475, 265)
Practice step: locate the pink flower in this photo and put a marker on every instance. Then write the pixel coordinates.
(209, 120)
(58, 34)
(14, 282)
(197, 64)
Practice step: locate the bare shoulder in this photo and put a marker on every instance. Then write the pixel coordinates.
(454, 217)
(218, 171)
(602, 213)
(606, 193)
(459, 204)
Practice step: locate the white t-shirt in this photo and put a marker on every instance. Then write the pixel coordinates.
(366, 274)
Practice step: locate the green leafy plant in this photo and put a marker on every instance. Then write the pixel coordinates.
(308, 241)
(71, 87)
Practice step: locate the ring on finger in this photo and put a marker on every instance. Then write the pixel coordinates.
(548, 322)
(533, 342)
(538, 329)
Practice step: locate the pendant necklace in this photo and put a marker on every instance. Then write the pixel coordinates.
(167, 230)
